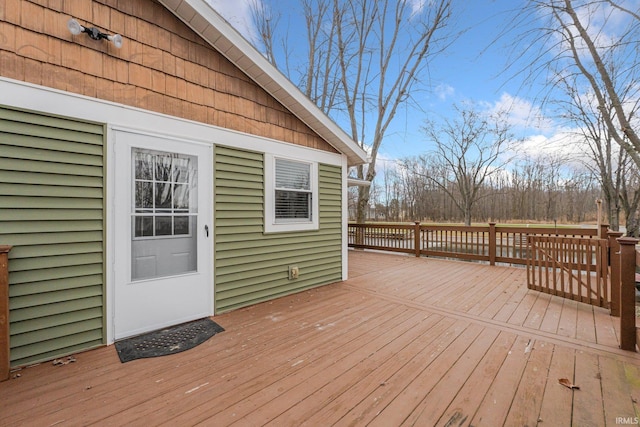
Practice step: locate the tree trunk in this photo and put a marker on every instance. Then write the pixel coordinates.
(363, 203)
(632, 225)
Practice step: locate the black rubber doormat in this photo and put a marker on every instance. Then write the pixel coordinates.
(167, 341)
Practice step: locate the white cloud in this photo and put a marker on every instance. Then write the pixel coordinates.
(444, 91)
(521, 114)
(417, 6)
(564, 143)
(238, 14)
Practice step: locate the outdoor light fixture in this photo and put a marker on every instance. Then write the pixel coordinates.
(75, 28)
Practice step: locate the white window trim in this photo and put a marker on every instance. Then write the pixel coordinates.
(270, 224)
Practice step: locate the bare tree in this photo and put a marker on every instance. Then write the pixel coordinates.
(365, 60)
(545, 187)
(601, 75)
(470, 148)
(265, 23)
(589, 48)
(630, 197)
(606, 159)
(593, 44)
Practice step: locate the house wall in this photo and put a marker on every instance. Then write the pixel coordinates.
(52, 212)
(251, 266)
(239, 171)
(165, 81)
(163, 66)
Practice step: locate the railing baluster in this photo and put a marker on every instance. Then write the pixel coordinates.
(614, 249)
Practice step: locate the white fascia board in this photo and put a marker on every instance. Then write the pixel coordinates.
(185, 10)
(239, 51)
(356, 182)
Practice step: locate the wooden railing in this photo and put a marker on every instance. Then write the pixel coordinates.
(490, 243)
(570, 267)
(569, 262)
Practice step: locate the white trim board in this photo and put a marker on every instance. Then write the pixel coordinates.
(270, 223)
(46, 100)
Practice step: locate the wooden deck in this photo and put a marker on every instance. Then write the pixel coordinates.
(406, 341)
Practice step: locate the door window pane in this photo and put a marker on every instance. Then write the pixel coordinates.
(181, 197)
(163, 226)
(143, 226)
(163, 186)
(143, 165)
(163, 195)
(144, 195)
(164, 214)
(181, 225)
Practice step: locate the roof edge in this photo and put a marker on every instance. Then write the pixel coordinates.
(212, 27)
(357, 182)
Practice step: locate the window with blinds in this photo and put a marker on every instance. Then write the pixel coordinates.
(293, 193)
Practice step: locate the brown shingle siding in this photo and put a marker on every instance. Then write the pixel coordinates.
(105, 89)
(55, 5)
(163, 65)
(12, 65)
(90, 86)
(131, 27)
(32, 16)
(117, 20)
(51, 23)
(8, 42)
(179, 46)
(101, 15)
(12, 11)
(33, 70)
(151, 57)
(78, 8)
(50, 76)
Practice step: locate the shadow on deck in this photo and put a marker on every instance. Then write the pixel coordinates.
(404, 341)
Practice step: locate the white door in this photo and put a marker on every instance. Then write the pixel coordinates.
(163, 242)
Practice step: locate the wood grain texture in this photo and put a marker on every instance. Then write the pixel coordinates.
(371, 350)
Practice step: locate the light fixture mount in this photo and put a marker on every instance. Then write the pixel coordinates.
(75, 28)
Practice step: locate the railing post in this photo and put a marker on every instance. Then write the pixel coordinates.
(359, 235)
(602, 232)
(5, 361)
(417, 239)
(614, 262)
(628, 293)
(492, 243)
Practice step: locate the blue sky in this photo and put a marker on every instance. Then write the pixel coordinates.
(470, 70)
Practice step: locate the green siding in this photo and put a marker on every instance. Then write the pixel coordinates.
(251, 266)
(52, 212)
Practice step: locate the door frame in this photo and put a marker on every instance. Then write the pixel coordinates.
(114, 181)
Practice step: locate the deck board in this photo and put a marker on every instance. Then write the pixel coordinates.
(527, 402)
(462, 407)
(557, 398)
(587, 402)
(405, 341)
(434, 404)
